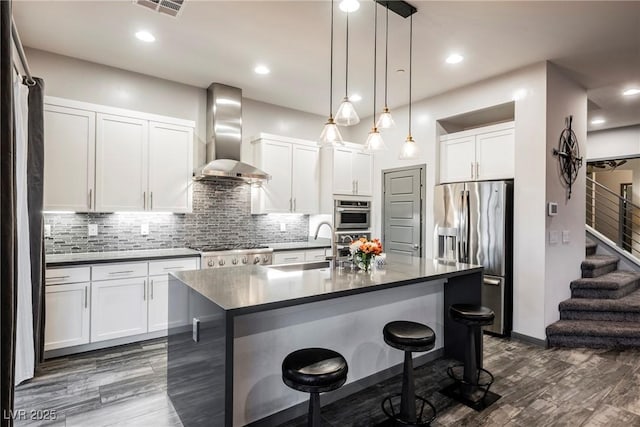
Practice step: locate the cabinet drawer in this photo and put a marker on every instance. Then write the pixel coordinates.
(119, 271)
(315, 255)
(288, 257)
(59, 276)
(168, 265)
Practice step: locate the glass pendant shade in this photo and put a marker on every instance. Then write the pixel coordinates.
(409, 150)
(330, 134)
(385, 121)
(346, 114)
(375, 141)
(349, 5)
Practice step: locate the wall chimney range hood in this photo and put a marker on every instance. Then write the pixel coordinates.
(224, 138)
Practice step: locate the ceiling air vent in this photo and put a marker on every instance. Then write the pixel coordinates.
(168, 7)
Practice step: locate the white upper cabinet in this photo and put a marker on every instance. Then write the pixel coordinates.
(362, 170)
(346, 171)
(479, 154)
(69, 152)
(138, 161)
(170, 167)
(121, 166)
(294, 170)
(343, 182)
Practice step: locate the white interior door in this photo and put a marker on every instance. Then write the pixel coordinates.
(159, 304)
(69, 158)
(342, 171)
(362, 165)
(276, 160)
(67, 315)
(170, 167)
(305, 182)
(118, 308)
(457, 159)
(121, 163)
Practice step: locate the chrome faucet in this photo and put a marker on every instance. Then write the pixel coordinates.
(334, 249)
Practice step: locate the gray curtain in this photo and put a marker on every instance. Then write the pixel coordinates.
(7, 219)
(35, 179)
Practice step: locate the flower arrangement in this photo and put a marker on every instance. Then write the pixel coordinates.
(364, 251)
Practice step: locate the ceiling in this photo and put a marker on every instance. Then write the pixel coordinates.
(597, 42)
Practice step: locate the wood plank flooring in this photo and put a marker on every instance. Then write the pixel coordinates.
(126, 386)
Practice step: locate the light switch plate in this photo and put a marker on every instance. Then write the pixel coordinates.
(92, 229)
(47, 230)
(283, 226)
(144, 229)
(565, 236)
(554, 237)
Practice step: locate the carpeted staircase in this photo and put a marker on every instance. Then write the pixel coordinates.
(604, 308)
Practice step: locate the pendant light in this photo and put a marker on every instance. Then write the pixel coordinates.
(409, 149)
(346, 114)
(386, 121)
(374, 139)
(330, 134)
(349, 5)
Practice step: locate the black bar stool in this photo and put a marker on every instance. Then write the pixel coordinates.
(314, 371)
(472, 382)
(410, 337)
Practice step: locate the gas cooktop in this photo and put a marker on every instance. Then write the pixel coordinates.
(229, 247)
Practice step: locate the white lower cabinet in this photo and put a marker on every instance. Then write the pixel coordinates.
(118, 308)
(308, 255)
(159, 317)
(67, 315)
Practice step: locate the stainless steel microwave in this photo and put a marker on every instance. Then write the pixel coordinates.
(352, 214)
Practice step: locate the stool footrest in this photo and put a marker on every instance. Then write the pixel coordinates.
(483, 379)
(389, 410)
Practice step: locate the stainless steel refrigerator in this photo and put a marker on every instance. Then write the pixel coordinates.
(474, 224)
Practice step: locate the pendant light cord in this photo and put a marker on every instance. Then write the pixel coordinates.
(386, 58)
(331, 67)
(346, 62)
(375, 58)
(410, 66)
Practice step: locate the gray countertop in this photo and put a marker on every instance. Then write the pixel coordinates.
(309, 244)
(256, 288)
(57, 260)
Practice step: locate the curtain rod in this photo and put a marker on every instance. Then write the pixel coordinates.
(23, 58)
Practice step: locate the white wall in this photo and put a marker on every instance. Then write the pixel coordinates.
(562, 265)
(73, 78)
(613, 143)
(529, 199)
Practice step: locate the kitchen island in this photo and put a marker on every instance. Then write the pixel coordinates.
(224, 368)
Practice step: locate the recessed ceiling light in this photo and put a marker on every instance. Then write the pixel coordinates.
(631, 91)
(349, 5)
(598, 121)
(454, 58)
(145, 36)
(262, 69)
(355, 98)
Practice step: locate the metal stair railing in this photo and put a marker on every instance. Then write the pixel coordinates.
(613, 216)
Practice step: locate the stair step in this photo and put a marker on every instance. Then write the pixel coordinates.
(615, 284)
(591, 247)
(626, 309)
(594, 334)
(598, 265)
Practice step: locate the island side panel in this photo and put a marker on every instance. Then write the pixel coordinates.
(463, 289)
(198, 362)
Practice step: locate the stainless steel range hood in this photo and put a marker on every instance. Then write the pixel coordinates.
(224, 137)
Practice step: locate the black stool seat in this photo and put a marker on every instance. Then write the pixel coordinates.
(471, 314)
(409, 336)
(314, 370)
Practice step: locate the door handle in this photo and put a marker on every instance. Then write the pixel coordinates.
(492, 282)
(416, 246)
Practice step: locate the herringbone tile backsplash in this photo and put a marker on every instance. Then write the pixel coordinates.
(221, 214)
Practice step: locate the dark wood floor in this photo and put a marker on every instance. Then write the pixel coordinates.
(539, 387)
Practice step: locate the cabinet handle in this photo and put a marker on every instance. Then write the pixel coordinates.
(353, 186)
(86, 292)
(290, 205)
(471, 170)
(58, 277)
(144, 291)
(174, 268)
(121, 272)
(151, 288)
(477, 170)
(151, 200)
(291, 258)
(357, 186)
(294, 204)
(90, 198)
(144, 200)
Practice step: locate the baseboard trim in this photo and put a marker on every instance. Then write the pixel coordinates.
(49, 354)
(301, 408)
(529, 340)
